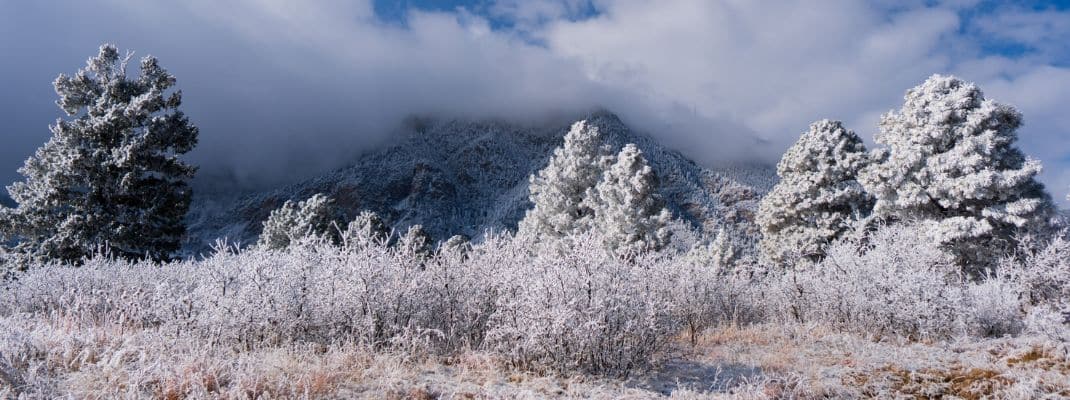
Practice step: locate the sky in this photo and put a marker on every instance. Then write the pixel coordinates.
(285, 89)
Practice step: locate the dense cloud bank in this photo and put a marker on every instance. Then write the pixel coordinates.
(284, 89)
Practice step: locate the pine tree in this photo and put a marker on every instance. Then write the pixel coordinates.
(626, 208)
(558, 190)
(109, 178)
(720, 253)
(416, 243)
(818, 197)
(457, 246)
(293, 222)
(366, 229)
(952, 164)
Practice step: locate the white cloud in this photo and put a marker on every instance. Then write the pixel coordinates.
(308, 84)
(1044, 31)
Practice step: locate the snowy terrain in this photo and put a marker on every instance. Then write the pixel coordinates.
(468, 177)
(513, 319)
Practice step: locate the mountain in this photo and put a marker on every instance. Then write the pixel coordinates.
(467, 177)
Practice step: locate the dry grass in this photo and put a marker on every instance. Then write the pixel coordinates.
(58, 358)
(828, 364)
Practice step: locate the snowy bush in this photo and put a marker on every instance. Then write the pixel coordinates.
(1041, 272)
(818, 198)
(533, 307)
(951, 162)
(109, 178)
(293, 222)
(898, 283)
(577, 312)
(504, 296)
(1041, 278)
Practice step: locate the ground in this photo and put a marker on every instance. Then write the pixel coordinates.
(55, 357)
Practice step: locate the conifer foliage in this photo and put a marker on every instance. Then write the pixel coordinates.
(314, 217)
(951, 163)
(558, 190)
(627, 210)
(110, 177)
(366, 229)
(818, 197)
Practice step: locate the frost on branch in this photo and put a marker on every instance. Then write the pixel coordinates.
(110, 177)
(558, 190)
(627, 210)
(818, 197)
(293, 222)
(951, 163)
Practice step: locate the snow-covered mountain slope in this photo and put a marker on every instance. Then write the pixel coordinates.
(465, 177)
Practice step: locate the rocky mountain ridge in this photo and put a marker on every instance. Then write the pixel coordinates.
(468, 177)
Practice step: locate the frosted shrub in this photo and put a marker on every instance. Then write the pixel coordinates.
(584, 311)
(707, 294)
(897, 284)
(580, 311)
(993, 308)
(894, 283)
(1041, 276)
(531, 306)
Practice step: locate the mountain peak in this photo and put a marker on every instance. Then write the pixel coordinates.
(460, 176)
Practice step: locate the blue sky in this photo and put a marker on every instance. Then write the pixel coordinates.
(286, 88)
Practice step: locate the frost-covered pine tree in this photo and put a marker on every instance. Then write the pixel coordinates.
(289, 224)
(818, 197)
(951, 163)
(718, 254)
(626, 208)
(366, 229)
(416, 242)
(110, 177)
(457, 246)
(558, 190)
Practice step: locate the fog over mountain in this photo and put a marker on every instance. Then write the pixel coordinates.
(456, 176)
(284, 90)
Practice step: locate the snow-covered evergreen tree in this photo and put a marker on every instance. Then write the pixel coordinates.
(456, 246)
(818, 197)
(720, 254)
(295, 221)
(416, 242)
(366, 229)
(951, 163)
(626, 208)
(558, 190)
(110, 177)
